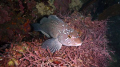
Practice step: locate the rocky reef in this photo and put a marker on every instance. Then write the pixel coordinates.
(20, 46)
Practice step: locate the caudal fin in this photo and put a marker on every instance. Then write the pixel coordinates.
(36, 26)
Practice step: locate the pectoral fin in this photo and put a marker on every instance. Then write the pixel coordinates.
(52, 44)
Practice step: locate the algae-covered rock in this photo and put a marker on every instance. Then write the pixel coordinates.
(76, 4)
(51, 3)
(44, 9)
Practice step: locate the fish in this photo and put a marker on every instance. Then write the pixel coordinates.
(58, 32)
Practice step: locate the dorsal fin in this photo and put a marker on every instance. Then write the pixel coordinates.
(55, 18)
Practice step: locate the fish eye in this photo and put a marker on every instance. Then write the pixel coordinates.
(69, 36)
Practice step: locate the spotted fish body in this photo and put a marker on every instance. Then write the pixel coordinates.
(60, 32)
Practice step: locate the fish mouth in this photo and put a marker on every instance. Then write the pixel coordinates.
(78, 44)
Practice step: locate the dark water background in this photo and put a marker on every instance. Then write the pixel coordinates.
(113, 34)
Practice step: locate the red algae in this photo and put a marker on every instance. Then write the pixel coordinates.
(92, 53)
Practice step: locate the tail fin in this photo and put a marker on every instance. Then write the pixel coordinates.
(36, 26)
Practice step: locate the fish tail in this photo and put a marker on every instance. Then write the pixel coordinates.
(36, 26)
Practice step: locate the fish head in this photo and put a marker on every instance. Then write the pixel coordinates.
(70, 39)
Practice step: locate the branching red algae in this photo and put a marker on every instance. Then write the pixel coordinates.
(92, 53)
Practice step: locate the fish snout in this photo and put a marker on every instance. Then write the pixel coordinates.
(70, 40)
(76, 41)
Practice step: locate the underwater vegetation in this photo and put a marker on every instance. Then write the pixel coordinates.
(93, 51)
(22, 45)
(15, 19)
